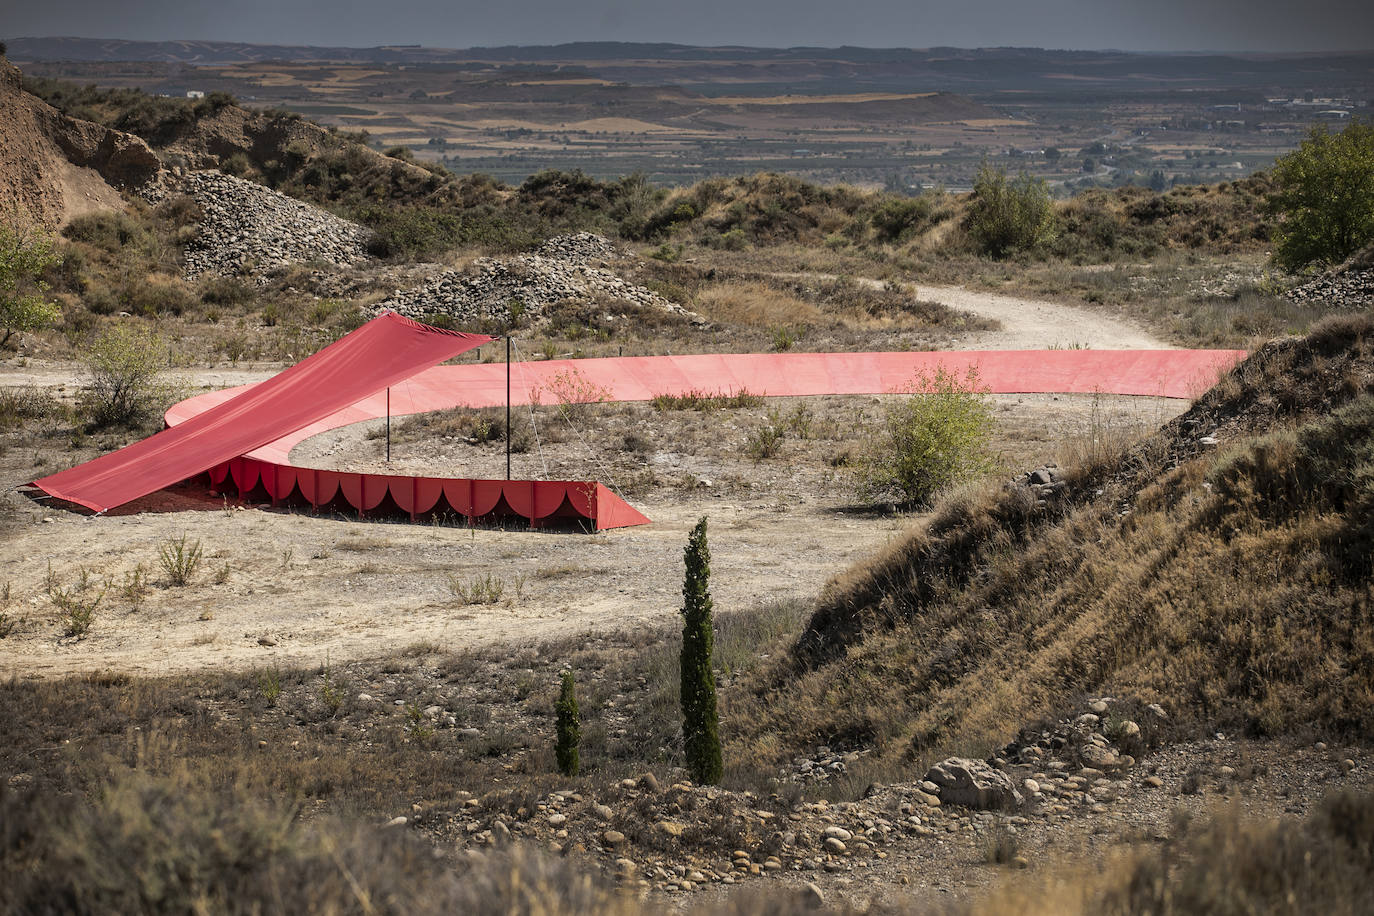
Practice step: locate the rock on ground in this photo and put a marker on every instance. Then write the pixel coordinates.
(973, 784)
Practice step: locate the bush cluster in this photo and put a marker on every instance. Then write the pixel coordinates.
(1005, 217)
(935, 436)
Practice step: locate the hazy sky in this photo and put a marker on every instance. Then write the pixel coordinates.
(1164, 25)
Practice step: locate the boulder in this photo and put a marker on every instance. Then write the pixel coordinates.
(973, 784)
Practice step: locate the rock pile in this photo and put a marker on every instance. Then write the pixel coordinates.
(249, 227)
(1350, 287)
(580, 248)
(824, 765)
(524, 286)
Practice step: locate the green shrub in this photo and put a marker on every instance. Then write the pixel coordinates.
(108, 231)
(897, 219)
(124, 388)
(411, 232)
(700, 726)
(1008, 216)
(179, 559)
(1325, 192)
(569, 727)
(24, 256)
(935, 436)
(764, 442)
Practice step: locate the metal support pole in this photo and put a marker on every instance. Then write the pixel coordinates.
(508, 408)
(388, 425)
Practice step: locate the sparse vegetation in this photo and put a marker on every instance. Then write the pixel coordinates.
(77, 605)
(933, 436)
(180, 560)
(134, 588)
(702, 400)
(484, 588)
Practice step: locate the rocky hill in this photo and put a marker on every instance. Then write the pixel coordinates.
(1168, 572)
(54, 168)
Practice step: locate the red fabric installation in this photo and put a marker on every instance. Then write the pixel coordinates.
(1160, 373)
(1152, 373)
(384, 351)
(533, 500)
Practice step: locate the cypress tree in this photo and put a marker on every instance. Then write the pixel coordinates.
(700, 732)
(569, 727)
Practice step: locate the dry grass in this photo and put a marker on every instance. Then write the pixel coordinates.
(1229, 864)
(755, 304)
(168, 845)
(1230, 586)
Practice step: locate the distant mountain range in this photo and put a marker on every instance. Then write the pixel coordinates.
(954, 69)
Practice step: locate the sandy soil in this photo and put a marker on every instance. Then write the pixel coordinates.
(277, 587)
(1035, 324)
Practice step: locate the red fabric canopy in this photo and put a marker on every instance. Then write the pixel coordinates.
(384, 351)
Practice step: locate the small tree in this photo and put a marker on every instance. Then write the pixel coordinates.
(1007, 216)
(124, 390)
(936, 436)
(1325, 195)
(700, 727)
(24, 255)
(569, 727)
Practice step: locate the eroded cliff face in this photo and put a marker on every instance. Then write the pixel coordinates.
(54, 168)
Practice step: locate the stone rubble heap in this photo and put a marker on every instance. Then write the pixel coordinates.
(248, 227)
(523, 287)
(825, 764)
(580, 248)
(1349, 288)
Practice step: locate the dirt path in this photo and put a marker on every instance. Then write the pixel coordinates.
(1036, 324)
(60, 376)
(1027, 324)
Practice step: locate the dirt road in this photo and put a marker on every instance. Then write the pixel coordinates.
(1027, 324)
(1036, 324)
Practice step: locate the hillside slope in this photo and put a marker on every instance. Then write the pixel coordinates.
(53, 167)
(1221, 569)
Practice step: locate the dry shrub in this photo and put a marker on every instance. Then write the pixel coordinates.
(144, 845)
(1321, 866)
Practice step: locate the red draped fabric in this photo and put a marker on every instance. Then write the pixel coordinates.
(380, 353)
(533, 500)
